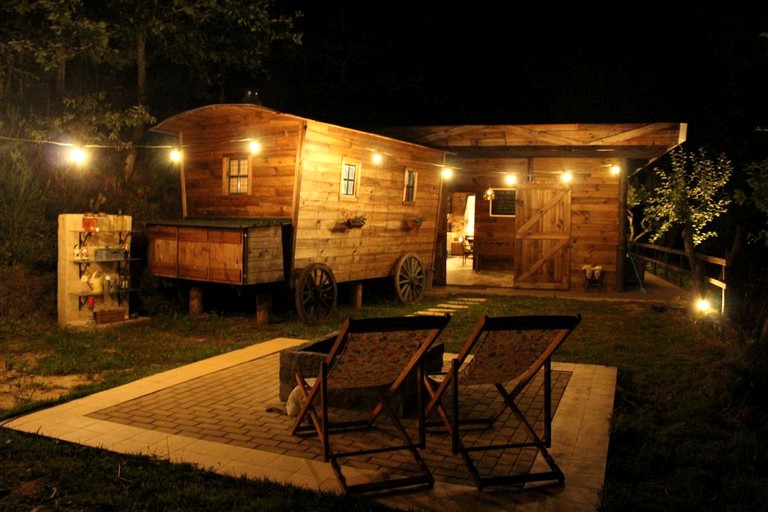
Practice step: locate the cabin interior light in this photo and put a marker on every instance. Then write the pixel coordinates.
(489, 194)
(447, 173)
(78, 156)
(510, 179)
(254, 146)
(377, 158)
(175, 156)
(566, 177)
(615, 170)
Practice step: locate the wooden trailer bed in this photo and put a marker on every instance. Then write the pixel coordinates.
(236, 252)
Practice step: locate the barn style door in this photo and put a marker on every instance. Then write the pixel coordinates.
(543, 235)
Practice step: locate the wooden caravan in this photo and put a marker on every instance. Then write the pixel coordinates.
(566, 208)
(269, 197)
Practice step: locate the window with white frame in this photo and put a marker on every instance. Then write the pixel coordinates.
(237, 171)
(409, 186)
(350, 177)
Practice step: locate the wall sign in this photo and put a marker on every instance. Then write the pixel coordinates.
(503, 203)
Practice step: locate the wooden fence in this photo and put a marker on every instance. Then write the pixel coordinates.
(672, 265)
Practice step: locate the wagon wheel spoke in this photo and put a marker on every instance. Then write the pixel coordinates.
(316, 293)
(409, 279)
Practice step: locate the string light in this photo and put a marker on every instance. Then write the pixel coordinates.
(703, 306)
(78, 156)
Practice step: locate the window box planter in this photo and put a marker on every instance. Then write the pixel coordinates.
(355, 222)
(413, 223)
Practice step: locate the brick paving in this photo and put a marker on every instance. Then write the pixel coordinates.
(240, 406)
(223, 415)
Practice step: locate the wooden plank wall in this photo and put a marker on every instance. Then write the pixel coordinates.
(162, 251)
(273, 167)
(216, 255)
(264, 256)
(595, 219)
(370, 252)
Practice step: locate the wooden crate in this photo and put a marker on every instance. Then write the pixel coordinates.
(106, 317)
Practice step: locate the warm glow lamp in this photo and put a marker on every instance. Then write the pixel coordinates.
(377, 158)
(566, 177)
(78, 156)
(703, 306)
(510, 179)
(175, 155)
(615, 170)
(447, 173)
(254, 146)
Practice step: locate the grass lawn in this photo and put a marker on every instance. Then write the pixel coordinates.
(683, 437)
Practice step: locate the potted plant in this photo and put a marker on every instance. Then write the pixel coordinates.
(357, 221)
(413, 222)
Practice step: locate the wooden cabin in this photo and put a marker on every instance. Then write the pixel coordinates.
(269, 197)
(565, 210)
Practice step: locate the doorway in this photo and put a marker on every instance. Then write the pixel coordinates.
(461, 265)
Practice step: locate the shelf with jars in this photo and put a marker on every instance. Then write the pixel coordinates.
(94, 273)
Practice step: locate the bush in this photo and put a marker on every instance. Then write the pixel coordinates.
(24, 292)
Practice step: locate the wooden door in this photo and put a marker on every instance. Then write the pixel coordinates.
(543, 236)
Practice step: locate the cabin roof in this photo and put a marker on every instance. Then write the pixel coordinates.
(641, 141)
(212, 114)
(644, 141)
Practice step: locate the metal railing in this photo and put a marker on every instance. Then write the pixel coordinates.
(672, 265)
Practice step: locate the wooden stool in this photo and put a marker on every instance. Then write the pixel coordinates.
(594, 282)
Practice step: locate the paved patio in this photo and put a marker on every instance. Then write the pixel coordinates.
(224, 414)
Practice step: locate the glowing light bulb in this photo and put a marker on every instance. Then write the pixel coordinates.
(447, 173)
(175, 155)
(566, 177)
(510, 179)
(703, 305)
(377, 158)
(615, 170)
(254, 146)
(78, 156)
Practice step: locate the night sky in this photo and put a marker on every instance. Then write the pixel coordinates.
(388, 63)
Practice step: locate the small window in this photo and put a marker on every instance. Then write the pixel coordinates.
(409, 193)
(237, 169)
(350, 177)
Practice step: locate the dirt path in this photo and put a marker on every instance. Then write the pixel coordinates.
(19, 387)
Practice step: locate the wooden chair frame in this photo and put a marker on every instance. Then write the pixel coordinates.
(418, 334)
(560, 328)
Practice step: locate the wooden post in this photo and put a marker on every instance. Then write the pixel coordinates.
(263, 308)
(195, 301)
(440, 251)
(622, 251)
(357, 297)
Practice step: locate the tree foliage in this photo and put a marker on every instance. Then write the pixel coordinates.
(757, 195)
(97, 73)
(690, 194)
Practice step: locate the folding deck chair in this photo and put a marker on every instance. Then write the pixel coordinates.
(377, 353)
(506, 353)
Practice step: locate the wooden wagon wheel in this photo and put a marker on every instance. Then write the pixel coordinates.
(316, 292)
(410, 278)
